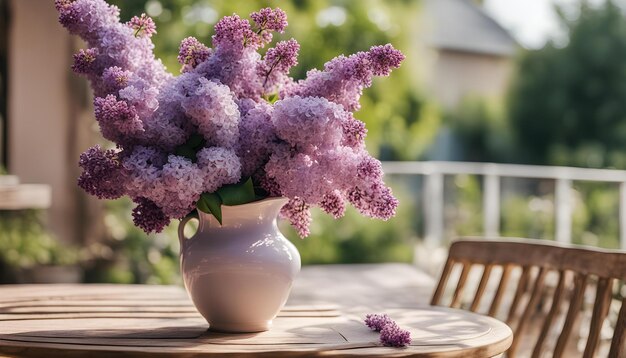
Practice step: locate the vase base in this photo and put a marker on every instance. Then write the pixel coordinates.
(240, 327)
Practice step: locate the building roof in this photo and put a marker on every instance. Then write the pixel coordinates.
(463, 26)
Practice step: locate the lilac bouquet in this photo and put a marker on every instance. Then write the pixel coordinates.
(232, 128)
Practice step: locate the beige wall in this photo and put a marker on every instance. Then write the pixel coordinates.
(44, 108)
(455, 75)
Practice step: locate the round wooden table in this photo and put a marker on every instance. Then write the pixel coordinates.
(141, 321)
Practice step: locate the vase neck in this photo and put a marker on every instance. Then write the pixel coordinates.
(256, 213)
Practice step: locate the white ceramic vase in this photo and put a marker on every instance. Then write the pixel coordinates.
(239, 274)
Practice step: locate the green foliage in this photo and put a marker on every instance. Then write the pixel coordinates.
(24, 241)
(594, 210)
(128, 256)
(463, 206)
(567, 105)
(357, 239)
(482, 130)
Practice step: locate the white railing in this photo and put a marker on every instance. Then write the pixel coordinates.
(434, 173)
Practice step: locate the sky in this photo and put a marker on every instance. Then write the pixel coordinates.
(531, 22)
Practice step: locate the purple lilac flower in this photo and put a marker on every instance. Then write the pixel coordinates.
(118, 121)
(334, 204)
(212, 108)
(266, 183)
(192, 52)
(377, 321)
(102, 176)
(384, 58)
(85, 61)
(268, 20)
(236, 68)
(257, 136)
(374, 200)
(274, 69)
(148, 216)
(220, 166)
(183, 183)
(299, 175)
(344, 78)
(142, 25)
(144, 99)
(234, 33)
(393, 336)
(98, 24)
(354, 132)
(114, 79)
(142, 168)
(168, 126)
(87, 18)
(369, 168)
(309, 122)
(299, 215)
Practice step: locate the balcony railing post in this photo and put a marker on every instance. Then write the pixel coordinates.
(433, 209)
(491, 205)
(563, 203)
(622, 215)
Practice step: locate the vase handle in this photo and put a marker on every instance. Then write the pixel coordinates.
(181, 231)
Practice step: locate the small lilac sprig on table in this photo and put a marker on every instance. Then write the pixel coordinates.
(232, 121)
(377, 321)
(391, 335)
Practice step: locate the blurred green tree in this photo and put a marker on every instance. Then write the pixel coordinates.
(567, 105)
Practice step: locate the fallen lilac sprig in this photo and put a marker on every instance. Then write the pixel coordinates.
(377, 321)
(391, 335)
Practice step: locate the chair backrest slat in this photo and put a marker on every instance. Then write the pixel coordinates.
(618, 345)
(481, 287)
(441, 286)
(497, 298)
(522, 286)
(460, 287)
(600, 310)
(557, 300)
(580, 285)
(534, 298)
(537, 260)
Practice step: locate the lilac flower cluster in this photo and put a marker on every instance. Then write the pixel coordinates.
(214, 124)
(391, 335)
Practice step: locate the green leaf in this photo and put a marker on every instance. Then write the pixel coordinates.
(271, 98)
(237, 194)
(214, 204)
(203, 206)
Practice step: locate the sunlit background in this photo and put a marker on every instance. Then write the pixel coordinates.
(528, 82)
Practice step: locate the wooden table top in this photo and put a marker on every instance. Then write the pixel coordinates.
(142, 320)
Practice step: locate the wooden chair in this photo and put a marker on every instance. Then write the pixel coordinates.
(577, 268)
